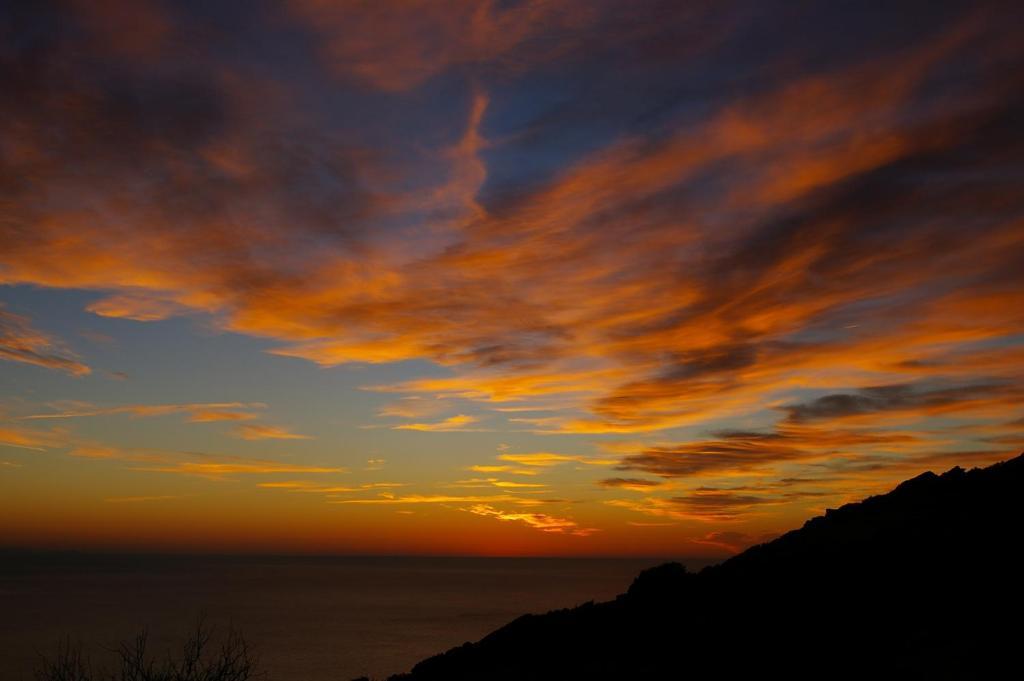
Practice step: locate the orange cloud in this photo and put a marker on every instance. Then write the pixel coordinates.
(502, 469)
(131, 29)
(211, 415)
(495, 482)
(198, 412)
(633, 484)
(538, 521)
(19, 342)
(429, 499)
(733, 542)
(94, 451)
(838, 244)
(545, 459)
(258, 431)
(710, 505)
(445, 34)
(137, 307)
(413, 407)
(318, 488)
(211, 466)
(25, 438)
(740, 451)
(216, 469)
(456, 423)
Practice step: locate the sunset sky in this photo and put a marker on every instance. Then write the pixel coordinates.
(515, 277)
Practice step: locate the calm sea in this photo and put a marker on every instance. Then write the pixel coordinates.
(309, 619)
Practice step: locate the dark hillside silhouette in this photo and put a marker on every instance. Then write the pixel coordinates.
(924, 582)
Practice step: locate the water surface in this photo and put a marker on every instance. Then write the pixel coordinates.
(309, 619)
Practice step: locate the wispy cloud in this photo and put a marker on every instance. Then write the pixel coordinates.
(431, 499)
(739, 451)
(538, 521)
(414, 406)
(635, 484)
(216, 469)
(203, 415)
(20, 342)
(458, 423)
(320, 488)
(495, 482)
(200, 464)
(198, 412)
(546, 459)
(731, 541)
(808, 266)
(258, 431)
(876, 402)
(663, 329)
(25, 438)
(445, 35)
(511, 470)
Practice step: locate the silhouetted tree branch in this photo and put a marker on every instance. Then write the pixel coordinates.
(199, 660)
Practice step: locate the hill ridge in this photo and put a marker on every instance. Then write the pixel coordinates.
(911, 583)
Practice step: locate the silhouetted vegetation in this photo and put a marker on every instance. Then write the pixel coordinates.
(921, 583)
(200, 659)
